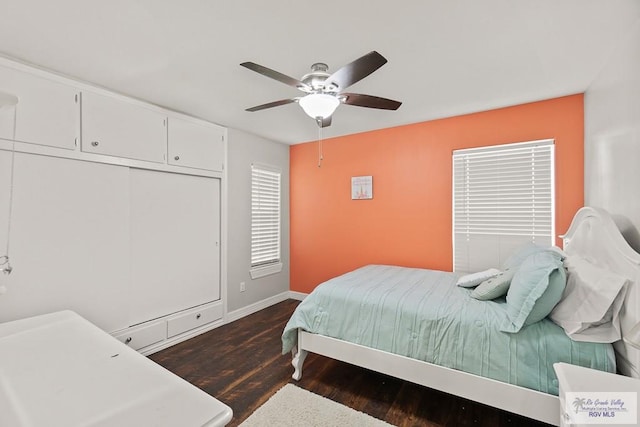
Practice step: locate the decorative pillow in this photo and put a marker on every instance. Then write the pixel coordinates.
(525, 251)
(535, 290)
(494, 287)
(474, 279)
(591, 303)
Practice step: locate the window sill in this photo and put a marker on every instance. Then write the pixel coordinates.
(257, 272)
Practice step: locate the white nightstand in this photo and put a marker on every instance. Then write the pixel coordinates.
(576, 379)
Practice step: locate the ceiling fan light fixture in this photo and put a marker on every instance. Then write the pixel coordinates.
(319, 105)
(324, 92)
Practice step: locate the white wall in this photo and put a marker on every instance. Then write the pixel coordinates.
(243, 150)
(612, 137)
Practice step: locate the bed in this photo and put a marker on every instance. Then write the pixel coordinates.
(443, 338)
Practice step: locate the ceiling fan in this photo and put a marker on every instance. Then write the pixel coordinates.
(324, 91)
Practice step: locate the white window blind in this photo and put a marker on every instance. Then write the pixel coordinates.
(503, 197)
(265, 215)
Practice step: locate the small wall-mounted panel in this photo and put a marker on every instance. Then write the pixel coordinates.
(47, 112)
(116, 127)
(195, 145)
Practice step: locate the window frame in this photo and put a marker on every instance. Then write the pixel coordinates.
(513, 232)
(266, 208)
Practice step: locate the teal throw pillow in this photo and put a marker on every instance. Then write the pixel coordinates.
(519, 255)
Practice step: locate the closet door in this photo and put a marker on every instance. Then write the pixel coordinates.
(175, 243)
(69, 239)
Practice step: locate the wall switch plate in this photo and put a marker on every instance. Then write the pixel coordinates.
(243, 287)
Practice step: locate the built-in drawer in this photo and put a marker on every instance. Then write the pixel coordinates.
(143, 336)
(193, 319)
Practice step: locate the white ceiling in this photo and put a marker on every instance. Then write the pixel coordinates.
(446, 57)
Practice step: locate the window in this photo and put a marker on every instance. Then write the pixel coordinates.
(265, 220)
(503, 197)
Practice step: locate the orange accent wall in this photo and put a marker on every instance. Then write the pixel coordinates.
(408, 221)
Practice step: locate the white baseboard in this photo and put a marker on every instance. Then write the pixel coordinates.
(260, 305)
(230, 317)
(297, 295)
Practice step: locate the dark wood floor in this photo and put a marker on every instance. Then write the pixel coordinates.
(241, 365)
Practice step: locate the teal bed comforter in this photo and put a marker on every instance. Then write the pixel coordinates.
(422, 314)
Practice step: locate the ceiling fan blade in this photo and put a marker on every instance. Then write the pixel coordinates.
(272, 104)
(354, 72)
(323, 123)
(370, 101)
(283, 78)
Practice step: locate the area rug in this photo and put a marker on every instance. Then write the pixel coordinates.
(296, 407)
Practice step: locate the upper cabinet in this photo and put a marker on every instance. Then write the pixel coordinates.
(118, 128)
(195, 144)
(37, 107)
(47, 112)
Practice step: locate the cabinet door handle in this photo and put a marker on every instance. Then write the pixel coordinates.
(128, 340)
(176, 158)
(198, 316)
(95, 143)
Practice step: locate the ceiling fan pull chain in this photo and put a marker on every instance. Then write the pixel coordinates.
(5, 262)
(320, 158)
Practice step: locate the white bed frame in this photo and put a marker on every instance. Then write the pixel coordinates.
(594, 235)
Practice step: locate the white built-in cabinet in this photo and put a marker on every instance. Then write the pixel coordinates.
(118, 128)
(195, 145)
(117, 210)
(48, 110)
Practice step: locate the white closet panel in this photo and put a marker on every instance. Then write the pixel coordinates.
(115, 127)
(70, 224)
(195, 145)
(175, 243)
(47, 112)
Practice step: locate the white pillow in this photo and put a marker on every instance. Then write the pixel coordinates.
(474, 279)
(591, 303)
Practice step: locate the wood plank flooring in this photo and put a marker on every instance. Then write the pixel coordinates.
(241, 365)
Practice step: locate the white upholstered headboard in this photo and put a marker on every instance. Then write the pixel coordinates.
(594, 235)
